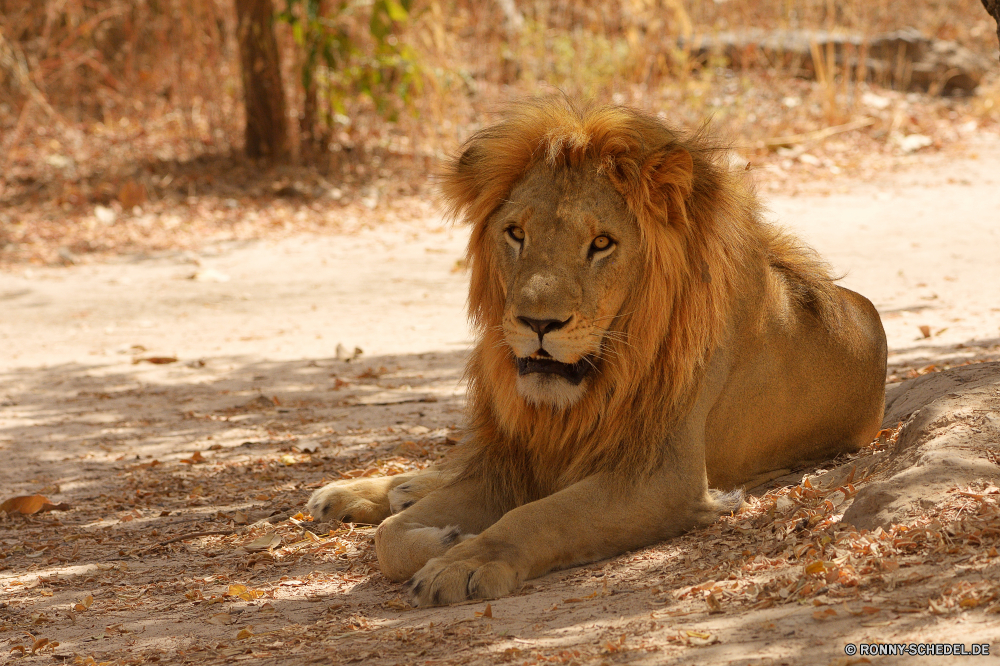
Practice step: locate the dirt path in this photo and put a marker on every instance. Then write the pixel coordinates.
(181, 476)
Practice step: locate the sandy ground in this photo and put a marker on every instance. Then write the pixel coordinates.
(180, 540)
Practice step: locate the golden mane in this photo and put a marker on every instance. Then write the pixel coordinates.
(701, 235)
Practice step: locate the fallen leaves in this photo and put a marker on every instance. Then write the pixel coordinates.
(35, 646)
(267, 541)
(155, 360)
(789, 552)
(132, 193)
(700, 638)
(30, 504)
(244, 593)
(824, 614)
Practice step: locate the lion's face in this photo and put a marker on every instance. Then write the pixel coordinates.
(569, 253)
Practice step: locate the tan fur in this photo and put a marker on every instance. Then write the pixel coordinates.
(718, 349)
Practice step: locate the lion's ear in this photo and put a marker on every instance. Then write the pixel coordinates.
(669, 174)
(468, 158)
(460, 181)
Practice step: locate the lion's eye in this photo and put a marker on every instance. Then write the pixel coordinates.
(600, 244)
(516, 234)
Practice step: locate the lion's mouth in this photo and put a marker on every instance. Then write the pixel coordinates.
(573, 372)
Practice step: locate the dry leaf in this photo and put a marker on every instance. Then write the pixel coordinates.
(815, 567)
(486, 612)
(244, 593)
(244, 634)
(701, 638)
(132, 194)
(267, 541)
(84, 604)
(823, 614)
(29, 504)
(155, 360)
(409, 448)
(220, 619)
(925, 330)
(195, 458)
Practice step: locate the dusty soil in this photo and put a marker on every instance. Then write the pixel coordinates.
(180, 408)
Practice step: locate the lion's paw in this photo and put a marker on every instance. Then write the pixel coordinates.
(446, 581)
(354, 501)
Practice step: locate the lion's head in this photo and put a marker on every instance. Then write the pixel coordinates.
(566, 245)
(603, 257)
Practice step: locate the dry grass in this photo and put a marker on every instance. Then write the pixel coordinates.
(97, 95)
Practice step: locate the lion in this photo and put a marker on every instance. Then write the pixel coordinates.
(647, 346)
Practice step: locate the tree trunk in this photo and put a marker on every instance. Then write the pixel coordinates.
(308, 142)
(267, 124)
(993, 7)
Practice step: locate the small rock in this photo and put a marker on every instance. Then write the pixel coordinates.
(105, 215)
(343, 355)
(913, 142)
(874, 101)
(209, 275)
(66, 256)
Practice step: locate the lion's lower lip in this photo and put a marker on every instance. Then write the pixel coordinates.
(574, 372)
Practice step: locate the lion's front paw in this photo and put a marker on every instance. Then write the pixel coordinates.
(357, 501)
(445, 580)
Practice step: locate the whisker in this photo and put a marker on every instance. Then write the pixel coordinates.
(616, 336)
(619, 314)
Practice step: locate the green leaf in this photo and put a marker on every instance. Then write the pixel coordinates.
(396, 11)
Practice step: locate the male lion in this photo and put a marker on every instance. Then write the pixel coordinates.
(643, 336)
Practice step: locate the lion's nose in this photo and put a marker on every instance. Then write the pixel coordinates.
(543, 326)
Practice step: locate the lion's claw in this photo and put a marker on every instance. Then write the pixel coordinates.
(442, 581)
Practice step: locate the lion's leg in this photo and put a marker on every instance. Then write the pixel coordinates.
(427, 529)
(371, 500)
(596, 518)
